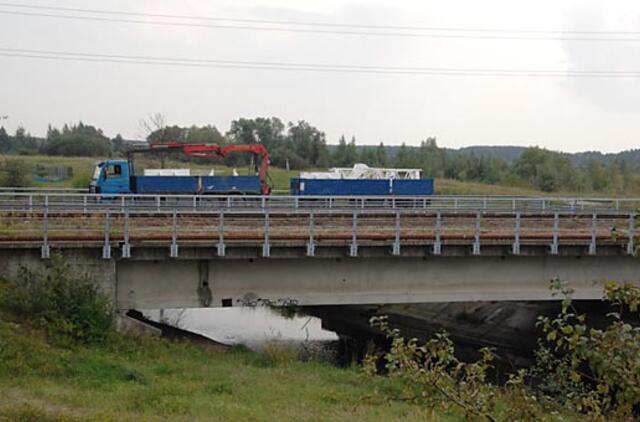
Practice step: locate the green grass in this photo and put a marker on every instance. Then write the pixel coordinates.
(156, 379)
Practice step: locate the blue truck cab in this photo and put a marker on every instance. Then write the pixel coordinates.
(111, 176)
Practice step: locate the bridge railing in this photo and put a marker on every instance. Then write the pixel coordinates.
(125, 226)
(70, 201)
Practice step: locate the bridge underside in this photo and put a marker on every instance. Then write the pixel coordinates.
(338, 280)
(148, 280)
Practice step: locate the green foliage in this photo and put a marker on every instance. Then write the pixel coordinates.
(579, 369)
(591, 370)
(433, 376)
(15, 173)
(67, 304)
(77, 140)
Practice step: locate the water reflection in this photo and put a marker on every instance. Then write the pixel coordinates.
(249, 326)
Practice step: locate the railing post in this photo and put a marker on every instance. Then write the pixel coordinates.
(106, 249)
(556, 227)
(221, 246)
(516, 243)
(266, 246)
(631, 248)
(173, 252)
(476, 243)
(594, 229)
(158, 203)
(396, 244)
(45, 250)
(311, 246)
(353, 250)
(126, 247)
(195, 203)
(437, 246)
(30, 203)
(84, 204)
(123, 203)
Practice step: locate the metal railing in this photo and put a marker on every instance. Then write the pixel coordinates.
(68, 201)
(126, 227)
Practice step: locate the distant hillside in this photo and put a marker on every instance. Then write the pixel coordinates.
(512, 153)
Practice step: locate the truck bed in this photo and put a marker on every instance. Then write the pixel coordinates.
(191, 185)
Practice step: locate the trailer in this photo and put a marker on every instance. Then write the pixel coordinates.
(361, 187)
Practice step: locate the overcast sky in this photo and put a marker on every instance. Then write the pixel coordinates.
(570, 114)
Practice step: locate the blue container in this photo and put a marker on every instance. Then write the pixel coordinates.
(417, 187)
(246, 185)
(165, 184)
(348, 187)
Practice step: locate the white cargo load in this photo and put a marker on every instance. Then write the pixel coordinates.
(167, 172)
(363, 171)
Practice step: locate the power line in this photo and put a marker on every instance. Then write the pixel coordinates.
(481, 35)
(307, 67)
(321, 24)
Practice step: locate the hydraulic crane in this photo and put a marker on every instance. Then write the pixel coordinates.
(213, 151)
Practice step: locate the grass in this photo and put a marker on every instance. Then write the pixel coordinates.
(157, 379)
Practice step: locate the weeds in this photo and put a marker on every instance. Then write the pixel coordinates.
(579, 369)
(59, 300)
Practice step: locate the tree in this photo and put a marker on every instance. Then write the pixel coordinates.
(78, 140)
(308, 143)
(24, 143)
(404, 157)
(381, 156)
(351, 155)
(340, 153)
(5, 141)
(205, 135)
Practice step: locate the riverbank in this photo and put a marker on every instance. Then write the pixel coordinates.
(159, 379)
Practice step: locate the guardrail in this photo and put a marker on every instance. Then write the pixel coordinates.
(129, 227)
(66, 201)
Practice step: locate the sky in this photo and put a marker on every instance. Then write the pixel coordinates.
(559, 113)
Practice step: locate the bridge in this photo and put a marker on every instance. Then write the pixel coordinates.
(218, 251)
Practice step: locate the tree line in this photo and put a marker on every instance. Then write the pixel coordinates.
(300, 145)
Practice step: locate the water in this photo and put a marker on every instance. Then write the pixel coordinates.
(251, 327)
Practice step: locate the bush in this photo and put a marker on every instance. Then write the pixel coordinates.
(65, 303)
(15, 174)
(579, 370)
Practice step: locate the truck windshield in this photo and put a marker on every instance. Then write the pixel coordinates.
(96, 172)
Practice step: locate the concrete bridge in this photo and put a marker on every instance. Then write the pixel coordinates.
(182, 252)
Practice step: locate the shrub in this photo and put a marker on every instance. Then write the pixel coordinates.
(15, 173)
(63, 302)
(590, 370)
(579, 369)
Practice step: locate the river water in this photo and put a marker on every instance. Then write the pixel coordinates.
(251, 327)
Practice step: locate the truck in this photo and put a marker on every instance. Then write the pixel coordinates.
(117, 176)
